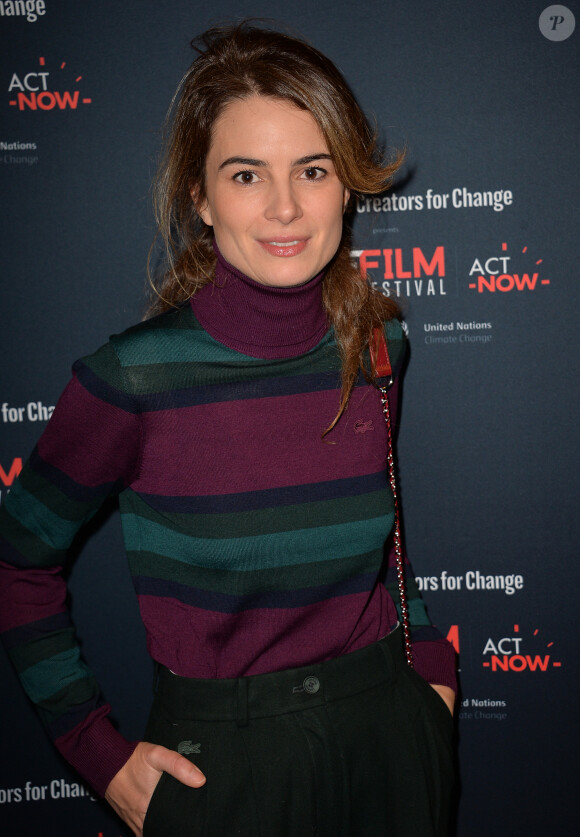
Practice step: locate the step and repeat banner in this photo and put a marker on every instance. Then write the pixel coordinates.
(478, 241)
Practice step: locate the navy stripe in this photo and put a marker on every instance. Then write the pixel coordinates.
(36, 630)
(236, 391)
(73, 490)
(202, 393)
(391, 578)
(224, 603)
(102, 390)
(11, 556)
(426, 633)
(268, 497)
(77, 714)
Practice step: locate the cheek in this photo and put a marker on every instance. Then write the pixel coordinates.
(234, 215)
(334, 223)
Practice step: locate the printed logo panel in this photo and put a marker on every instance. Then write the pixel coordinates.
(51, 86)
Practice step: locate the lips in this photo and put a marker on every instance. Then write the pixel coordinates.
(284, 248)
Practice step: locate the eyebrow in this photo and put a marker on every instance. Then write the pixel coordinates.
(250, 161)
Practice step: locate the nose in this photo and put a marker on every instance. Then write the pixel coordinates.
(283, 204)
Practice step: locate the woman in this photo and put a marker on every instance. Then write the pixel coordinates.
(243, 431)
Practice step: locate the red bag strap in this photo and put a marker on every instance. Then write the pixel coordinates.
(380, 353)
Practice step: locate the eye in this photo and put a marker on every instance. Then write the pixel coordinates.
(246, 177)
(314, 173)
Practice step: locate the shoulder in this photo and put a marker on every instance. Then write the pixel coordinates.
(154, 341)
(153, 337)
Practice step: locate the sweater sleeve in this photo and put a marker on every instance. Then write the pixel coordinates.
(89, 451)
(433, 655)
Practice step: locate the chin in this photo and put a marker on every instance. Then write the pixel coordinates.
(286, 281)
(287, 275)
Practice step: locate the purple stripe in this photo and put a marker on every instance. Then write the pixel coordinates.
(92, 442)
(95, 748)
(258, 641)
(30, 595)
(272, 599)
(259, 444)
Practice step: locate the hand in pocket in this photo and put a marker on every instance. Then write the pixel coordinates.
(131, 789)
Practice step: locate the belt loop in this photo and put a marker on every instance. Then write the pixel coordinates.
(242, 702)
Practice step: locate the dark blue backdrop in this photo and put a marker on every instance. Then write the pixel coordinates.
(485, 99)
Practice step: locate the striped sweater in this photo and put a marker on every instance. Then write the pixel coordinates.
(254, 544)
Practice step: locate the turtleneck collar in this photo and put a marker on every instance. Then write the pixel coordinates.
(260, 320)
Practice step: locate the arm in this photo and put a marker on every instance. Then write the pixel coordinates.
(433, 655)
(130, 791)
(89, 450)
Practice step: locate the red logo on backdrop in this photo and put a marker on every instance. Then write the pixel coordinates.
(8, 476)
(407, 272)
(519, 652)
(496, 273)
(453, 637)
(37, 90)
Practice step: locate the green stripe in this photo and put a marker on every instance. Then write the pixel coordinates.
(162, 347)
(53, 498)
(258, 552)
(36, 651)
(143, 358)
(48, 527)
(163, 377)
(317, 573)
(105, 364)
(147, 355)
(417, 613)
(35, 552)
(144, 345)
(63, 669)
(66, 702)
(275, 519)
(416, 606)
(396, 341)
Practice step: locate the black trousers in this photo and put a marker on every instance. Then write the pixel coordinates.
(358, 746)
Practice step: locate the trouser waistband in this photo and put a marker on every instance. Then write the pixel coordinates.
(292, 690)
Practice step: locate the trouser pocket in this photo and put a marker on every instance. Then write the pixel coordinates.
(433, 733)
(175, 809)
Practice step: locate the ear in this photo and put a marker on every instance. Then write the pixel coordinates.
(202, 210)
(345, 199)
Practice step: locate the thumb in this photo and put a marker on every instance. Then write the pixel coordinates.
(168, 761)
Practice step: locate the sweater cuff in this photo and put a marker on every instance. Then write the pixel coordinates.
(435, 662)
(95, 749)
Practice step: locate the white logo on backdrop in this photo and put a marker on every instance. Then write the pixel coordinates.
(557, 23)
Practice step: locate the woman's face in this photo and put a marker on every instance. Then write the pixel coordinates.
(273, 197)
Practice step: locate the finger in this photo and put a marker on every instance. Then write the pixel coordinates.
(168, 761)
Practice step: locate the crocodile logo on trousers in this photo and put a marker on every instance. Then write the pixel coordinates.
(185, 748)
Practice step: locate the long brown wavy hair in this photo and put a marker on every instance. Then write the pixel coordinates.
(234, 63)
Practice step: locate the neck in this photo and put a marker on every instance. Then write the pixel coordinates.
(260, 320)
